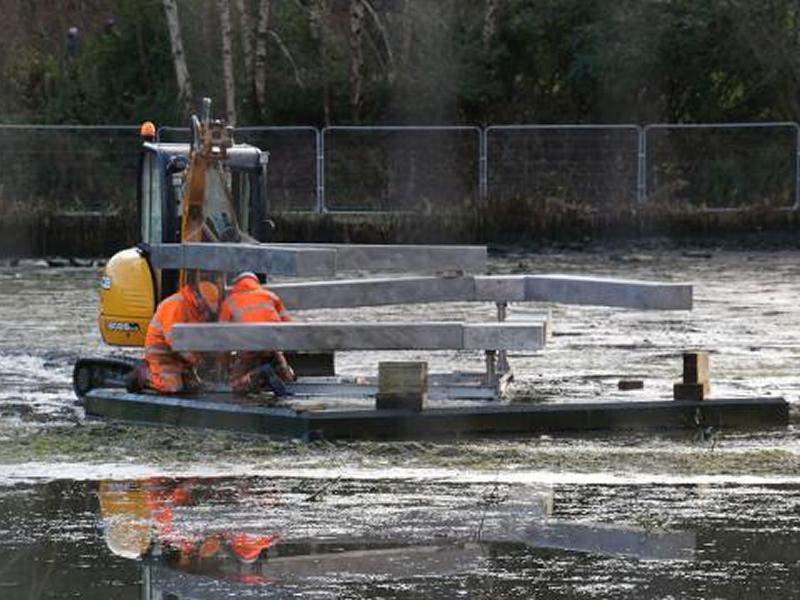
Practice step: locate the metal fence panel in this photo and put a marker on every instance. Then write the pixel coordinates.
(722, 166)
(293, 161)
(66, 168)
(597, 165)
(400, 168)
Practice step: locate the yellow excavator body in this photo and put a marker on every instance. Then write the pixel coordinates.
(127, 299)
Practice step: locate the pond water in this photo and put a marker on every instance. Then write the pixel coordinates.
(396, 538)
(93, 510)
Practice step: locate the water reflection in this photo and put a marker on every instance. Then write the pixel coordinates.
(196, 539)
(396, 538)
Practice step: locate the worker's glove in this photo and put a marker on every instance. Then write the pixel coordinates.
(283, 369)
(192, 383)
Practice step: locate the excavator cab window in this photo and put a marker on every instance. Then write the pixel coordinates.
(151, 199)
(161, 189)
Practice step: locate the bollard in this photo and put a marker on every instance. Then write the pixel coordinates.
(402, 385)
(696, 383)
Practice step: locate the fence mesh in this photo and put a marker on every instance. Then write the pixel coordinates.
(292, 171)
(722, 166)
(93, 168)
(68, 169)
(400, 169)
(594, 165)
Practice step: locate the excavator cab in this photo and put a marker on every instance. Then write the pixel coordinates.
(211, 190)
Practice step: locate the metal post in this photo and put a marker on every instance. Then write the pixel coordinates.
(321, 171)
(642, 176)
(483, 167)
(491, 368)
(797, 169)
(502, 356)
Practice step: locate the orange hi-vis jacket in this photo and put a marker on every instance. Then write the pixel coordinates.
(249, 302)
(166, 366)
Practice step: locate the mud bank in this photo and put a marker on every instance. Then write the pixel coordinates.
(533, 224)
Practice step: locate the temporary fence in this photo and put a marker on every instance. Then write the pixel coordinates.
(77, 168)
(597, 165)
(293, 171)
(722, 166)
(399, 168)
(413, 168)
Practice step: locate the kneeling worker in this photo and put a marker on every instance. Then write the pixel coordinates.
(166, 370)
(249, 302)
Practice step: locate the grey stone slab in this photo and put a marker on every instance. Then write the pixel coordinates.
(506, 336)
(222, 337)
(233, 258)
(598, 291)
(500, 288)
(348, 293)
(404, 258)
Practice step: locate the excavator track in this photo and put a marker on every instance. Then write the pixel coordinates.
(91, 373)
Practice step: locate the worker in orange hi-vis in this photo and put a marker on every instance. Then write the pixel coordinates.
(248, 301)
(166, 370)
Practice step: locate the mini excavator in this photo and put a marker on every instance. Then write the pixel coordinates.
(209, 190)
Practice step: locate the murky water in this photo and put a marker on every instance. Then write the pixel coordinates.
(663, 516)
(397, 538)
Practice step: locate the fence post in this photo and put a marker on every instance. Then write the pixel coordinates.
(321, 171)
(483, 166)
(642, 183)
(797, 169)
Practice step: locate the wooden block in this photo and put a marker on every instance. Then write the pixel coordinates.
(695, 367)
(691, 391)
(402, 385)
(630, 384)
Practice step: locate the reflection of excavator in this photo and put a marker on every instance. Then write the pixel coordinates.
(139, 521)
(211, 190)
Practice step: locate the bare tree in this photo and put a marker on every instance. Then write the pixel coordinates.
(489, 24)
(246, 33)
(318, 25)
(229, 82)
(260, 66)
(178, 57)
(356, 55)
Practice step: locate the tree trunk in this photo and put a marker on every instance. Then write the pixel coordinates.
(489, 25)
(260, 66)
(246, 33)
(318, 24)
(356, 55)
(227, 60)
(185, 95)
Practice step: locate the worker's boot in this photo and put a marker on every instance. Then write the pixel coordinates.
(136, 379)
(269, 379)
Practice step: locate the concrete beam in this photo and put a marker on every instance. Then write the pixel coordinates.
(404, 258)
(500, 288)
(599, 291)
(233, 258)
(348, 293)
(565, 289)
(224, 337)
